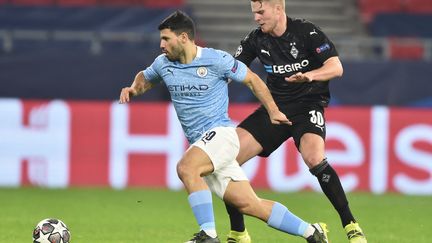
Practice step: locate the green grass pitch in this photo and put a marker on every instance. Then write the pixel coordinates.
(151, 215)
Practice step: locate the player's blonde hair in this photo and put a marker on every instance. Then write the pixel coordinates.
(281, 2)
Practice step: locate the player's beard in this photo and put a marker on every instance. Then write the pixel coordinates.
(175, 53)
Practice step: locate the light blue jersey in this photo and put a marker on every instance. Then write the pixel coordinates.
(199, 89)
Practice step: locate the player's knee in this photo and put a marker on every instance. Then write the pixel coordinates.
(319, 167)
(184, 170)
(313, 160)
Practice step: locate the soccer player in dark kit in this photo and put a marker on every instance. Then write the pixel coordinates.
(299, 60)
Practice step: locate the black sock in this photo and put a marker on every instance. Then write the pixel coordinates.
(236, 218)
(332, 188)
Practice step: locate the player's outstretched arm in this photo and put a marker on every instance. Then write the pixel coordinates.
(139, 86)
(260, 90)
(332, 68)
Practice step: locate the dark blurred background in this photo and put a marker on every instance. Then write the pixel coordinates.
(89, 49)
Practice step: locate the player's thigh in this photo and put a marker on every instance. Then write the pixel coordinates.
(249, 146)
(309, 134)
(195, 160)
(269, 136)
(221, 144)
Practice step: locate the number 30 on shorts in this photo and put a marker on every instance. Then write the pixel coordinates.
(316, 117)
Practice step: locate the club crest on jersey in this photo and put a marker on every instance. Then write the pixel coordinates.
(294, 52)
(202, 72)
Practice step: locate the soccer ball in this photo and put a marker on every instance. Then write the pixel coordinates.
(51, 231)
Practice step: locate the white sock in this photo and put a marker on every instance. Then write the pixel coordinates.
(309, 231)
(211, 232)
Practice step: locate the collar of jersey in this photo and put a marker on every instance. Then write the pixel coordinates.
(198, 55)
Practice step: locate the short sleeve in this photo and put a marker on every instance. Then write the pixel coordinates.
(152, 73)
(318, 43)
(230, 68)
(246, 52)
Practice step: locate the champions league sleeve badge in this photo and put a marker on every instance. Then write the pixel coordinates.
(239, 51)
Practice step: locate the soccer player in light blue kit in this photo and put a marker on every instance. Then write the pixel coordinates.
(196, 78)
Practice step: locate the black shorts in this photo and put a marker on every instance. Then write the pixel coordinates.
(306, 118)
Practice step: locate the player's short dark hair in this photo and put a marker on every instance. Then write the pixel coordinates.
(179, 22)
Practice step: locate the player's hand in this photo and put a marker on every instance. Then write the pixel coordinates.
(300, 78)
(279, 118)
(125, 94)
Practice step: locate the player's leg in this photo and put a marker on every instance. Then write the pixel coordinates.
(195, 163)
(249, 148)
(231, 184)
(218, 147)
(241, 195)
(312, 151)
(254, 131)
(309, 135)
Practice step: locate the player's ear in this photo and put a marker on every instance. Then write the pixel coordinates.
(279, 8)
(184, 37)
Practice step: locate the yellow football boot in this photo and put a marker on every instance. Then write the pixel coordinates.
(355, 233)
(238, 237)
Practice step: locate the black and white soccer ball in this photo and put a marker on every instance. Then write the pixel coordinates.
(51, 231)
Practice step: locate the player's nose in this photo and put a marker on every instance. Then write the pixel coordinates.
(257, 17)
